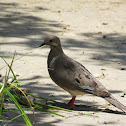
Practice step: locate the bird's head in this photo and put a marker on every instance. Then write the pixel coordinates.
(52, 41)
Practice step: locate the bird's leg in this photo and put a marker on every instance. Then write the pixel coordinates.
(70, 105)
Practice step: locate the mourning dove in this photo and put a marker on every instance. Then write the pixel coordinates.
(73, 76)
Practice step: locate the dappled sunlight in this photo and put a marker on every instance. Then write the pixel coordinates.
(91, 32)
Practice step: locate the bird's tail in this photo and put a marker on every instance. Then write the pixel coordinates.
(116, 103)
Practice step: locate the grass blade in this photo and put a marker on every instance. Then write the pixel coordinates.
(14, 119)
(19, 57)
(10, 69)
(27, 101)
(47, 99)
(51, 106)
(19, 108)
(2, 97)
(87, 114)
(1, 106)
(41, 109)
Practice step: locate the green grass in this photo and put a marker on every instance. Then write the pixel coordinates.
(6, 90)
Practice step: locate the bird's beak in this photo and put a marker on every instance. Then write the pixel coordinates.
(42, 44)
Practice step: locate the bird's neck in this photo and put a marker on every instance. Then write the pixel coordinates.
(56, 50)
(54, 53)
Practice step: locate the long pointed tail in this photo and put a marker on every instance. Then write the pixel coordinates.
(116, 103)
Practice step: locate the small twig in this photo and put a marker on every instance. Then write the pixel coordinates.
(10, 66)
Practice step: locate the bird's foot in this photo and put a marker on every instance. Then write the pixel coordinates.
(67, 106)
(70, 105)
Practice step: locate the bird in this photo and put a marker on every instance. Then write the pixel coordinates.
(73, 77)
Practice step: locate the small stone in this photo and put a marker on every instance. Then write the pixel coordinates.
(104, 23)
(123, 69)
(103, 69)
(99, 32)
(104, 36)
(105, 122)
(64, 28)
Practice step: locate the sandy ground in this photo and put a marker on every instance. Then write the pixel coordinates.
(91, 32)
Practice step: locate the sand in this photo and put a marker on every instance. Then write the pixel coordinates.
(91, 32)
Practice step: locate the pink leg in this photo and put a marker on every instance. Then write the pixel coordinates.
(70, 105)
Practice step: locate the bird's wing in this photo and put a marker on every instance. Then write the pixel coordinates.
(83, 79)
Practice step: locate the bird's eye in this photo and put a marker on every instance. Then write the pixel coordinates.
(51, 41)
